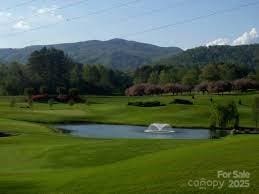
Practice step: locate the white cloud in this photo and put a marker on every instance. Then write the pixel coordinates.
(22, 25)
(219, 41)
(49, 12)
(247, 38)
(46, 10)
(60, 17)
(38, 17)
(5, 14)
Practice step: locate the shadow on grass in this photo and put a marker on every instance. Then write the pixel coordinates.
(3, 134)
(18, 187)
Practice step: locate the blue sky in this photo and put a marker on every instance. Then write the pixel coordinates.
(103, 20)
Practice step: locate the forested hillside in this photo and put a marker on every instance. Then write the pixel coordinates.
(116, 53)
(246, 54)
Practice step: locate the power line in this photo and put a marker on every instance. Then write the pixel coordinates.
(192, 19)
(152, 11)
(74, 18)
(18, 5)
(104, 10)
(148, 12)
(50, 10)
(147, 30)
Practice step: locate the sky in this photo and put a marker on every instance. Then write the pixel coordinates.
(182, 23)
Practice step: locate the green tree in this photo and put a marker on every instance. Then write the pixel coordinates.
(76, 76)
(153, 78)
(15, 79)
(73, 92)
(61, 90)
(106, 76)
(164, 77)
(224, 115)
(191, 77)
(210, 73)
(49, 67)
(142, 74)
(91, 74)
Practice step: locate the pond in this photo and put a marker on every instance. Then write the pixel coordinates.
(136, 132)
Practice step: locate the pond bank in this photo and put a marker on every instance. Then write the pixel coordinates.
(246, 130)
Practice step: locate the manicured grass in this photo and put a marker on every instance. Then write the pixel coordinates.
(37, 160)
(115, 110)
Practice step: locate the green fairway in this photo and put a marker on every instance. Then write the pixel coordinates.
(115, 110)
(38, 160)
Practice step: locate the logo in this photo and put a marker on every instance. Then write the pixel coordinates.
(229, 179)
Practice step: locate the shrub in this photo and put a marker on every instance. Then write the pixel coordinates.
(145, 104)
(62, 98)
(74, 95)
(181, 101)
(73, 92)
(40, 98)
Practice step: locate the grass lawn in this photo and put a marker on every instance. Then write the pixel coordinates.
(115, 110)
(37, 160)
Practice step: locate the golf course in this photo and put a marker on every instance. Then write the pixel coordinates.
(37, 158)
(129, 97)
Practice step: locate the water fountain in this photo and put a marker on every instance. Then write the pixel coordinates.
(159, 128)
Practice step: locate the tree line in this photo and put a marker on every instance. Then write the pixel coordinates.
(217, 78)
(51, 69)
(163, 74)
(219, 87)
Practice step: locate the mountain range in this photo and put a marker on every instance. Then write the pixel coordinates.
(129, 55)
(116, 53)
